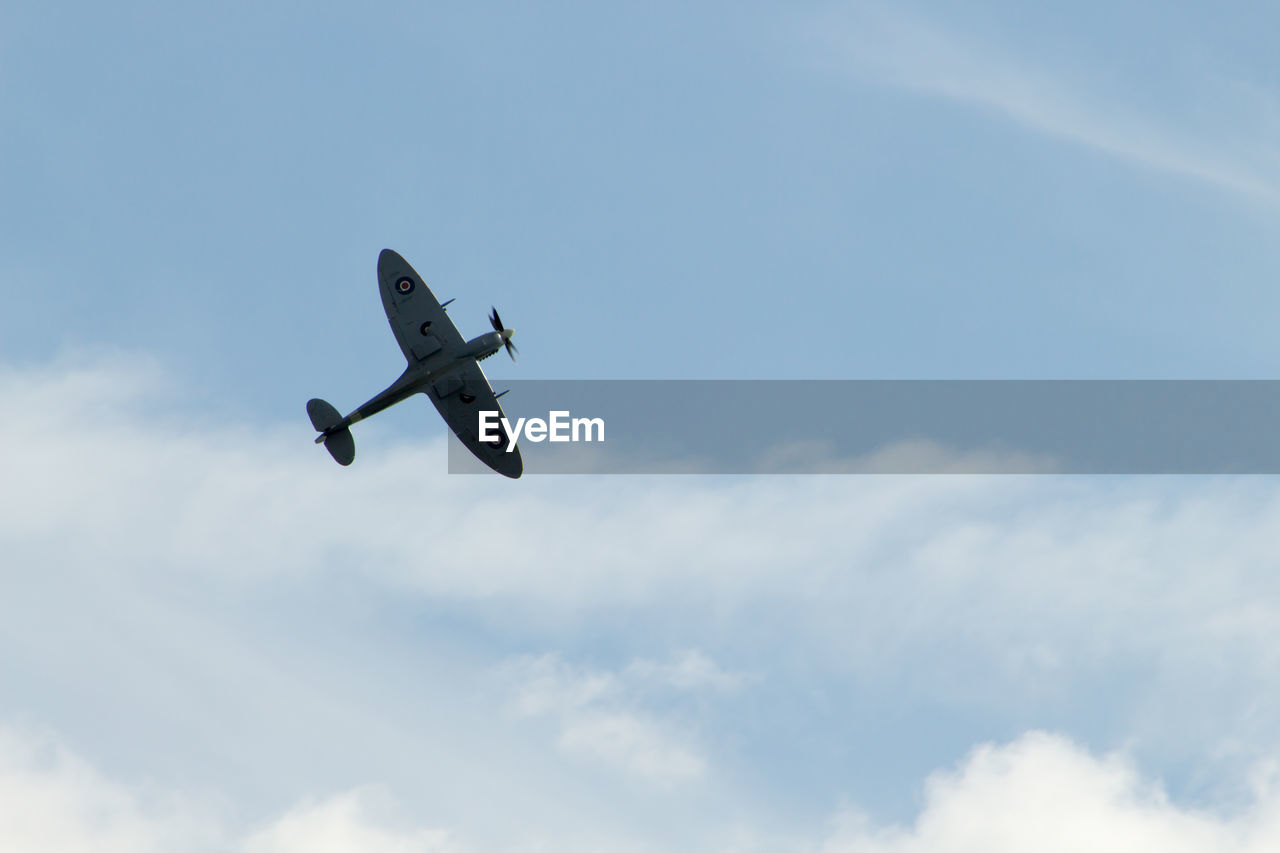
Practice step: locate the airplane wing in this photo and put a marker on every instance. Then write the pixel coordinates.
(421, 326)
(459, 397)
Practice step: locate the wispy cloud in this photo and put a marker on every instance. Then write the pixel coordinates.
(688, 670)
(893, 47)
(602, 714)
(357, 820)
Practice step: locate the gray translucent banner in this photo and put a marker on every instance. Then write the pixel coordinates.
(898, 427)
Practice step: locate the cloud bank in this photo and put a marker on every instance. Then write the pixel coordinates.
(238, 643)
(1040, 792)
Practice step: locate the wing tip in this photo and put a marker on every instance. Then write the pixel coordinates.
(388, 257)
(513, 465)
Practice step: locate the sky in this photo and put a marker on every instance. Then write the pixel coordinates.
(212, 638)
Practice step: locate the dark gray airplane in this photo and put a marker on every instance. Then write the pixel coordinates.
(441, 365)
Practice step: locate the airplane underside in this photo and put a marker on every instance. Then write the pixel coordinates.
(441, 364)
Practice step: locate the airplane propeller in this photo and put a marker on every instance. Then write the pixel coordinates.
(496, 322)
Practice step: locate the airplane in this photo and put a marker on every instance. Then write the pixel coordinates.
(441, 365)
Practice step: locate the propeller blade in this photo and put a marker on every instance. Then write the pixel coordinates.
(511, 349)
(496, 321)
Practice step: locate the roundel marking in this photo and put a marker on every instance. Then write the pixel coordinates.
(425, 328)
(466, 398)
(404, 285)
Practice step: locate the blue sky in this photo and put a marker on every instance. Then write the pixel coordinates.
(212, 638)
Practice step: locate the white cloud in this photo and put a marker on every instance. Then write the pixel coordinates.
(52, 801)
(891, 46)
(1044, 793)
(1039, 792)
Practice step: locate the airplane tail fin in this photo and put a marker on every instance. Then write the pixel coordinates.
(339, 443)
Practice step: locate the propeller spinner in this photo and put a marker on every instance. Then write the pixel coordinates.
(496, 322)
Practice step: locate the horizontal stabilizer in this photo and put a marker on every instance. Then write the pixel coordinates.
(341, 446)
(323, 416)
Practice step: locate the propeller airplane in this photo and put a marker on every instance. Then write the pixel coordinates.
(441, 365)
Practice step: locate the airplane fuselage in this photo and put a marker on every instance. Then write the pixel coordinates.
(418, 377)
